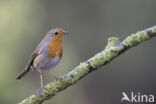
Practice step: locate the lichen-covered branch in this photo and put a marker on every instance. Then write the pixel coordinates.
(113, 49)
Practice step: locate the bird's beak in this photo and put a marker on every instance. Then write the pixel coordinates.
(66, 32)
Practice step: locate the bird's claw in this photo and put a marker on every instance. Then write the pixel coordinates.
(39, 91)
(57, 78)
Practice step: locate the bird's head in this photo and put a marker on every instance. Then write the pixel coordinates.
(57, 34)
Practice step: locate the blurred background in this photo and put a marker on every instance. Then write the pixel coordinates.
(23, 23)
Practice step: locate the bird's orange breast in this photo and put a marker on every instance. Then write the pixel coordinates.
(55, 48)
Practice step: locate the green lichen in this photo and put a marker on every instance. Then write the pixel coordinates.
(154, 30)
(135, 39)
(106, 55)
(112, 41)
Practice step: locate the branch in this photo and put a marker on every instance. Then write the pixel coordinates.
(113, 49)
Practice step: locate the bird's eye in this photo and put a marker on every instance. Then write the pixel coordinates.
(56, 33)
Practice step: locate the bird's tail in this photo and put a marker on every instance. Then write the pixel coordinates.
(28, 67)
(23, 73)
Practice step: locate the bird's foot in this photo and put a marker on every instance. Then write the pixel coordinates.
(57, 78)
(39, 91)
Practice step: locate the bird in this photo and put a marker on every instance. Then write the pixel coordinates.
(46, 55)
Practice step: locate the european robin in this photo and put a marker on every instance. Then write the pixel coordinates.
(47, 54)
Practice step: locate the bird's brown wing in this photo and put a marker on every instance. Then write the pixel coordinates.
(39, 49)
(29, 64)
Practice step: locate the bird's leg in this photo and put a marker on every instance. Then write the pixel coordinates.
(41, 78)
(55, 76)
(42, 87)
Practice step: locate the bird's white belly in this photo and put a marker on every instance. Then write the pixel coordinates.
(45, 63)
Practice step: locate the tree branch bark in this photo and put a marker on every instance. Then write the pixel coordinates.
(113, 49)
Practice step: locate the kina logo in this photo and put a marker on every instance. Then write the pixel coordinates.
(138, 97)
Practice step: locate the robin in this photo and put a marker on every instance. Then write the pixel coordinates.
(47, 54)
